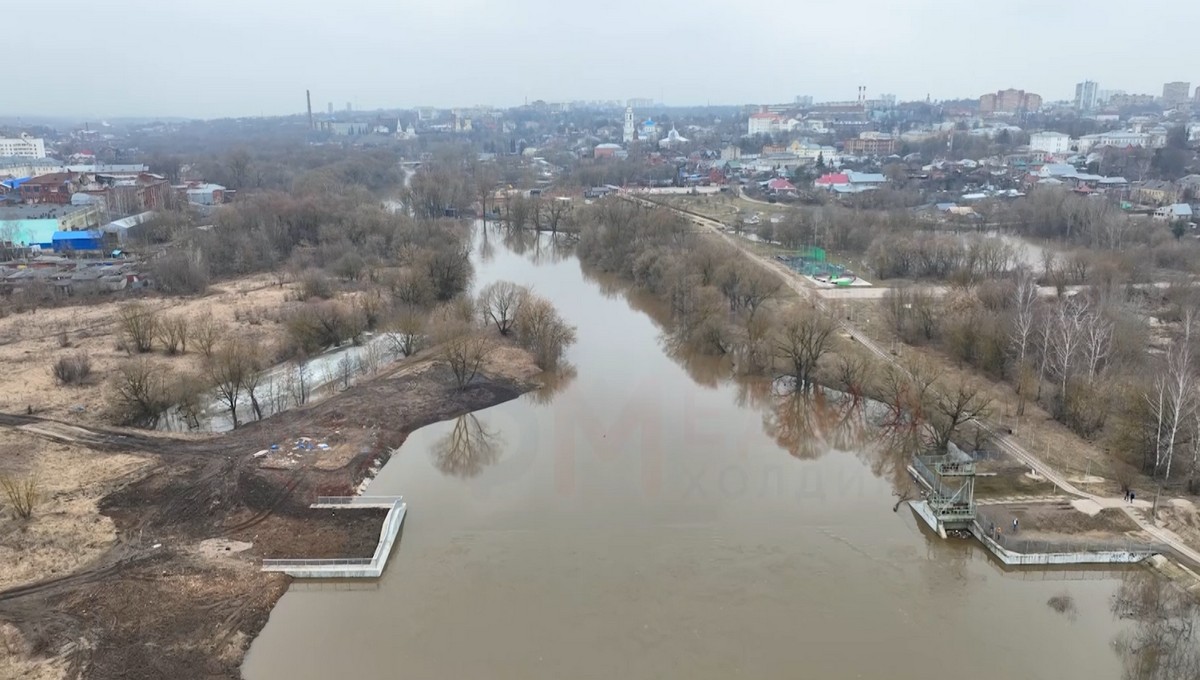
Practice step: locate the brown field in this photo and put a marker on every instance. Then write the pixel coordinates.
(141, 539)
(31, 341)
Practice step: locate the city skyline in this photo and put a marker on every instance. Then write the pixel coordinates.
(504, 53)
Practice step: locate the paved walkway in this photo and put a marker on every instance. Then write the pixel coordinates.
(1003, 440)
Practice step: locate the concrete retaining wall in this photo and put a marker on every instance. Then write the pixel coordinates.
(1008, 557)
(1091, 557)
(350, 568)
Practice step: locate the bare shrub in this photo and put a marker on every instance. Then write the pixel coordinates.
(1062, 603)
(316, 284)
(173, 334)
(139, 325)
(73, 369)
(316, 326)
(411, 287)
(371, 306)
(204, 331)
(190, 393)
(448, 269)
(63, 340)
(180, 272)
(23, 494)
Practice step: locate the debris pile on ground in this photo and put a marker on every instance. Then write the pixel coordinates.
(291, 453)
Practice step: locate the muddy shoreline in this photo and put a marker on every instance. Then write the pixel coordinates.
(180, 593)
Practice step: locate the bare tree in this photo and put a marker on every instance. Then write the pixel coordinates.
(1069, 333)
(556, 211)
(139, 325)
(298, 380)
(1025, 307)
(541, 330)
(500, 303)
(234, 370)
(407, 330)
(853, 371)
(205, 331)
(803, 337)
(1176, 400)
(465, 355)
(140, 393)
(253, 376)
(1097, 343)
(756, 287)
(952, 406)
(173, 334)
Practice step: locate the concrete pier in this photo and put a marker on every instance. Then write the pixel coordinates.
(350, 567)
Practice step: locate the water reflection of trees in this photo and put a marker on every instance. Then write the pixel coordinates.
(467, 448)
(804, 425)
(808, 425)
(1162, 643)
(539, 247)
(552, 383)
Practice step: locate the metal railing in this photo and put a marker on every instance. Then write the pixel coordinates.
(346, 561)
(1030, 546)
(356, 500)
(944, 508)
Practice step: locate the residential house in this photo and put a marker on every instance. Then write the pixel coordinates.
(781, 187)
(850, 182)
(1173, 212)
(1155, 192)
(608, 150)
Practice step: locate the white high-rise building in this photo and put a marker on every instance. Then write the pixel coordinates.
(1086, 94)
(22, 147)
(628, 134)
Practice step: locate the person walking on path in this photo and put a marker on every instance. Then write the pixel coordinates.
(1014, 525)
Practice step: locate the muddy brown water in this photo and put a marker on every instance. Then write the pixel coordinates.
(641, 524)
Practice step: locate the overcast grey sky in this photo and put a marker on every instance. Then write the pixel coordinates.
(210, 58)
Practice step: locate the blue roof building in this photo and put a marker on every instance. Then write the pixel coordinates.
(77, 240)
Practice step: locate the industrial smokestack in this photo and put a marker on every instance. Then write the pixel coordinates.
(308, 96)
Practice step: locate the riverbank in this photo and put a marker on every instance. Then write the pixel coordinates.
(172, 586)
(1041, 446)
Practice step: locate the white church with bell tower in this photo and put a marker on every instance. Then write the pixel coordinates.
(629, 129)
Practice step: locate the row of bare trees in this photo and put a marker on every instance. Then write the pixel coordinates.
(1088, 357)
(720, 302)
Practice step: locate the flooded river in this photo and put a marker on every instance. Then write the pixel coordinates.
(643, 521)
